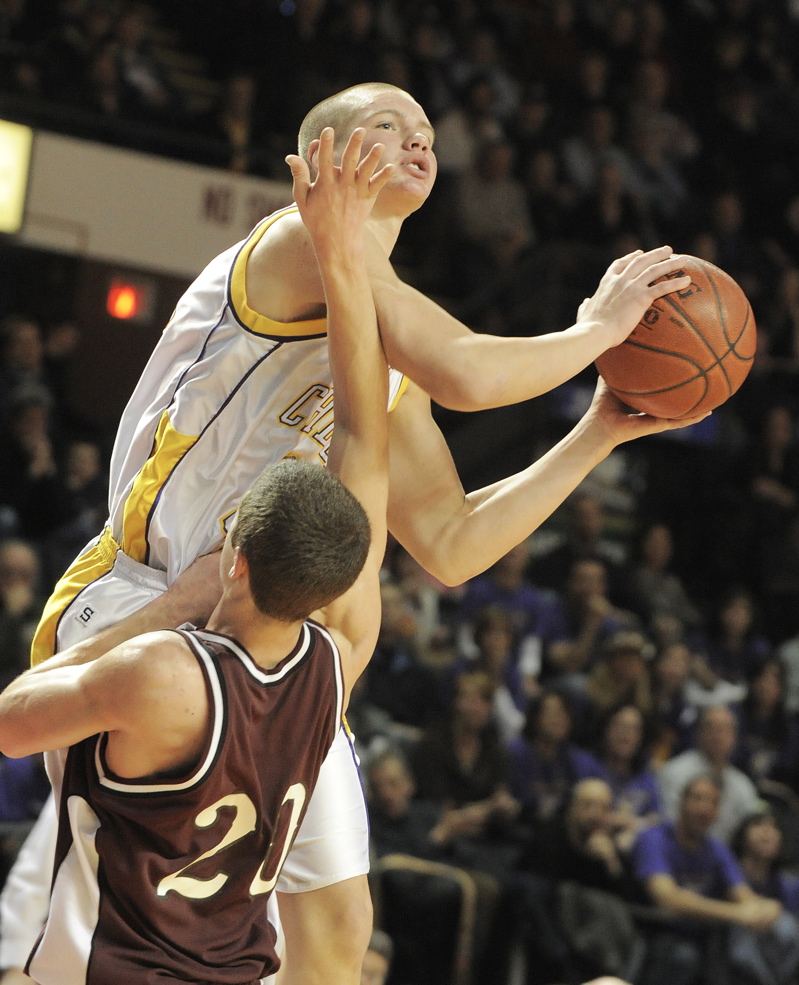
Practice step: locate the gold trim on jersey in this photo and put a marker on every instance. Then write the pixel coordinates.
(96, 562)
(169, 448)
(254, 321)
(400, 390)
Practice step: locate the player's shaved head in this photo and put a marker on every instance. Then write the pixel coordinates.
(338, 111)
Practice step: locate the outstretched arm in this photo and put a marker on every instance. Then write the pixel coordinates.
(334, 208)
(456, 536)
(464, 370)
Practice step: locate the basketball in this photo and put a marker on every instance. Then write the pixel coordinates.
(691, 350)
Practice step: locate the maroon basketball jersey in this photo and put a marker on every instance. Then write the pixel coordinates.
(166, 879)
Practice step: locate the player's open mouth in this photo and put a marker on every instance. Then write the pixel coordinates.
(417, 168)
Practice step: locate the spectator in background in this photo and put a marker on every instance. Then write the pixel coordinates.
(431, 601)
(148, 91)
(482, 57)
(610, 212)
(693, 876)
(656, 593)
(506, 585)
(491, 214)
(581, 622)
(549, 198)
(545, 764)
(716, 739)
(233, 127)
(768, 735)
(31, 482)
(759, 846)
(20, 606)
(575, 848)
(593, 146)
(583, 540)
(465, 127)
(396, 680)
(621, 676)
(727, 651)
(494, 637)
(461, 763)
(674, 717)
(622, 761)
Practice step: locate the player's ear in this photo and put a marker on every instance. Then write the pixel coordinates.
(239, 566)
(313, 156)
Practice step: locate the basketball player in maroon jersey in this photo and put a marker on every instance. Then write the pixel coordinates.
(192, 754)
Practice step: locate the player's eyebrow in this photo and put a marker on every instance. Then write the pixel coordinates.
(423, 124)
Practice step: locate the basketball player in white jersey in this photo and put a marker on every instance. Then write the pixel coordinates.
(191, 754)
(241, 378)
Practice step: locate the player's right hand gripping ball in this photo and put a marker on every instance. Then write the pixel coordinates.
(690, 351)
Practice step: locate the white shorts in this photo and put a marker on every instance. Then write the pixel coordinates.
(332, 843)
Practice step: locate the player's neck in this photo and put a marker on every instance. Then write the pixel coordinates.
(267, 640)
(386, 230)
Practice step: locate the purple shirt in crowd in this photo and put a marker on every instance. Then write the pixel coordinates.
(541, 785)
(638, 793)
(711, 870)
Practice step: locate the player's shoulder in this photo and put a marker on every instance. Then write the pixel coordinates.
(158, 658)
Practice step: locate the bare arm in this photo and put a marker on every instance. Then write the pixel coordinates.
(750, 909)
(146, 693)
(464, 370)
(334, 209)
(191, 598)
(459, 368)
(456, 536)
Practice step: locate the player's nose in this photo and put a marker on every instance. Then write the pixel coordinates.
(418, 142)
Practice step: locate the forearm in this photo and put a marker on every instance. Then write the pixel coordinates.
(30, 718)
(467, 371)
(686, 903)
(493, 520)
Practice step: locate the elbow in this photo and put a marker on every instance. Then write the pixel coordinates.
(448, 570)
(465, 394)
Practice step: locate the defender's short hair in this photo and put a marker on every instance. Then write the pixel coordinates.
(337, 111)
(305, 537)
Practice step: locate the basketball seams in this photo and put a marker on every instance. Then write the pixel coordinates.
(690, 322)
(717, 308)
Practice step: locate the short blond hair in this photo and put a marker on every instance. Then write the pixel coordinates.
(337, 111)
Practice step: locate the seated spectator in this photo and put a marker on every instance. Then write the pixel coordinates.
(401, 826)
(545, 765)
(610, 212)
(730, 647)
(577, 845)
(491, 213)
(758, 845)
(695, 878)
(506, 585)
(587, 152)
(20, 606)
(716, 739)
(579, 625)
(494, 637)
(461, 763)
(674, 717)
(768, 736)
(377, 960)
(656, 593)
(622, 675)
(150, 95)
(622, 761)
(396, 680)
(232, 125)
(583, 540)
(31, 482)
(574, 850)
(430, 600)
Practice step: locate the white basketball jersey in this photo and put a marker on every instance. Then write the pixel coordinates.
(225, 392)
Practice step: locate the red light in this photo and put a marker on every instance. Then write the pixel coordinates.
(123, 301)
(130, 299)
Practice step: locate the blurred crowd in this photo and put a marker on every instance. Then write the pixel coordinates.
(617, 699)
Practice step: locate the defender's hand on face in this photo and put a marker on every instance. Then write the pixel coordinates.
(627, 290)
(337, 203)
